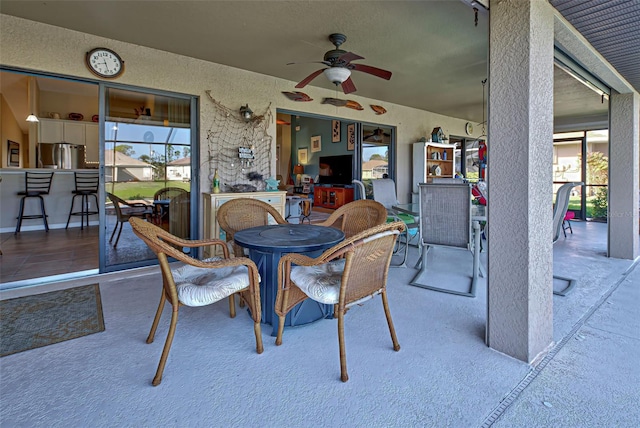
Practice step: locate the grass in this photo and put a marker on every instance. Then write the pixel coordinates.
(574, 205)
(143, 189)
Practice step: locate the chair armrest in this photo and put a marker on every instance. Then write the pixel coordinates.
(195, 243)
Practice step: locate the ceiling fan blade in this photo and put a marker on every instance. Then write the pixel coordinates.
(378, 72)
(348, 86)
(309, 78)
(348, 57)
(327, 63)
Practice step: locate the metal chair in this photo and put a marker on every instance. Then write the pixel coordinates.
(198, 282)
(305, 211)
(445, 221)
(384, 191)
(124, 211)
(86, 185)
(36, 184)
(346, 275)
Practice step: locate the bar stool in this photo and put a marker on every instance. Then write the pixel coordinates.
(36, 184)
(86, 185)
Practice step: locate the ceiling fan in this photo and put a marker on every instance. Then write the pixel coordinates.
(339, 66)
(377, 135)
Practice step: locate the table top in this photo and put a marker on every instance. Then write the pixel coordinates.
(478, 212)
(298, 238)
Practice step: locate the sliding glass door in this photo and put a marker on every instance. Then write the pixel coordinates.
(148, 159)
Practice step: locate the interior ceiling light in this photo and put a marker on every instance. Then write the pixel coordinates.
(337, 75)
(32, 118)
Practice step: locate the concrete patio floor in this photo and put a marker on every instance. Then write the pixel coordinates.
(444, 375)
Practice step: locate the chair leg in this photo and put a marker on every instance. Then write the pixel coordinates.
(232, 305)
(257, 330)
(44, 213)
(282, 318)
(167, 346)
(387, 313)
(114, 231)
(156, 320)
(19, 225)
(115, 244)
(70, 211)
(344, 376)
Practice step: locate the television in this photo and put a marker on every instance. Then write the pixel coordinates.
(335, 169)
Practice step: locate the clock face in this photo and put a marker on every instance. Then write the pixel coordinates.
(469, 128)
(104, 63)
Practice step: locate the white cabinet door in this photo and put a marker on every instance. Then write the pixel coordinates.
(51, 131)
(74, 133)
(92, 142)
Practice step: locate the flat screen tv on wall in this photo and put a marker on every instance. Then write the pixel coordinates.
(336, 169)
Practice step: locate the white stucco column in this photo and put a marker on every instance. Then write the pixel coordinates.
(520, 273)
(624, 139)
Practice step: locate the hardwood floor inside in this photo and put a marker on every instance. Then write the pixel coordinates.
(35, 254)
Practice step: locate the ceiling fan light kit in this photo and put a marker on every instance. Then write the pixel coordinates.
(339, 67)
(337, 75)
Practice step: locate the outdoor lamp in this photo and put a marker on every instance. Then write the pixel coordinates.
(298, 170)
(246, 113)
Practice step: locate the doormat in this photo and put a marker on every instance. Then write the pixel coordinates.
(43, 319)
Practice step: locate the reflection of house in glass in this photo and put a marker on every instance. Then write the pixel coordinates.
(179, 169)
(125, 168)
(374, 169)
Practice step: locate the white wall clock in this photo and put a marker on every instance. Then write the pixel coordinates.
(468, 128)
(104, 63)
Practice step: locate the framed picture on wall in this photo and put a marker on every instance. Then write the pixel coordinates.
(13, 154)
(303, 156)
(335, 131)
(316, 144)
(351, 136)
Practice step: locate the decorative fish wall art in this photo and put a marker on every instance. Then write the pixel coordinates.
(378, 109)
(343, 103)
(297, 96)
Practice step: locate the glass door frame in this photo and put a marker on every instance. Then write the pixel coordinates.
(194, 102)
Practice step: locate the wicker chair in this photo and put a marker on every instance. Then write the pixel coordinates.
(199, 282)
(124, 211)
(356, 217)
(166, 193)
(347, 274)
(243, 213)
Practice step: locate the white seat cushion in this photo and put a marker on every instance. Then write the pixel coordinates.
(200, 286)
(321, 283)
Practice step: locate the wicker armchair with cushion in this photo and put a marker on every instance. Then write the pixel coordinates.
(345, 275)
(356, 217)
(198, 282)
(243, 213)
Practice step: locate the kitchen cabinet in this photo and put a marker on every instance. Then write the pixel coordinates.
(432, 160)
(332, 197)
(213, 201)
(72, 132)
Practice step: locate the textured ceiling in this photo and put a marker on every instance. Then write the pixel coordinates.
(610, 26)
(437, 55)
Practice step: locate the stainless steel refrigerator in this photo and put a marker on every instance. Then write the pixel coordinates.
(61, 156)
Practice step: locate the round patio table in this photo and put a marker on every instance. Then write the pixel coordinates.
(266, 245)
